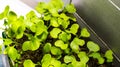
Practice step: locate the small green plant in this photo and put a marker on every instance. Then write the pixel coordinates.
(53, 40)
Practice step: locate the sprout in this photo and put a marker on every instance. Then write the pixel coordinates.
(84, 33)
(109, 55)
(28, 63)
(54, 33)
(93, 46)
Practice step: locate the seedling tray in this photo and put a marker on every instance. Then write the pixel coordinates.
(5, 61)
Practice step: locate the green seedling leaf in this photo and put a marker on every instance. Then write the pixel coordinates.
(74, 47)
(1, 16)
(68, 59)
(67, 51)
(64, 36)
(58, 4)
(76, 43)
(72, 17)
(32, 17)
(47, 47)
(41, 7)
(47, 17)
(46, 58)
(98, 57)
(78, 64)
(70, 8)
(70, 65)
(83, 57)
(60, 21)
(12, 53)
(74, 28)
(7, 42)
(38, 28)
(65, 24)
(60, 43)
(18, 27)
(12, 16)
(6, 10)
(35, 43)
(56, 51)
(55, 63)
(64, 16)
(93, 46)
(54, 32)
(20, 32)
(31, 45)
(54, 22)
(85, 33)
(28, 63)
(48, 61)
(43, 36)
(63, 65)
(27, 45)
(54, 12)
(109, 55)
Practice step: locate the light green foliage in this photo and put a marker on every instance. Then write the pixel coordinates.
(63, 65)
(83, 57)
(38, 28)
(6, 10)
(47, 17)
(78, 64)
(28, 63)
(32, 17)
(109, 55)
(68, 59)
(54, 32)
(12, 16)
(20, 27)
(64, 16)
(65, 23)
(47, 47)
(54, 22)
(74, 28)
(84, 33)
(56, 51)
(48, 61)
(58, 4)
(1, 16)
(72, 17)
(70, 8)
(12, 53)
(41, 7)
(64, 36)
(43, 36)
(93, 46)
(7, 41)
(34, 44)
(54, 12)
(67, 51)
(98, 57)
(76, 43)
(4, 13)
(60, 43)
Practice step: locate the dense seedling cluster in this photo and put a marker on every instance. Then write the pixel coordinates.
(52, 40)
